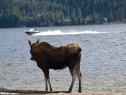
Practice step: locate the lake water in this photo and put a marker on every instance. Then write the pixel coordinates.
(103, 63)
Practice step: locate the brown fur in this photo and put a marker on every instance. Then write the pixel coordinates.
(50, 57)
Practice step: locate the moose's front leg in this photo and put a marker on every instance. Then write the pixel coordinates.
(46, 84)
(47, 80)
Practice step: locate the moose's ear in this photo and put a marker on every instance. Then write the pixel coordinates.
(29, 42)
(37, 41)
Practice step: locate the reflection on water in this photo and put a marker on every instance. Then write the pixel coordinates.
(103, 63)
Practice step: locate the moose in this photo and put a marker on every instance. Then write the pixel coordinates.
(51, 57)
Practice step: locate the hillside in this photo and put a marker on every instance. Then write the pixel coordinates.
(15, 13)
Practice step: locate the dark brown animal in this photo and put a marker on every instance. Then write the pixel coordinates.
(50, 57)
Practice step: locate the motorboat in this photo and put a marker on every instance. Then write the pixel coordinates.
(31, 31)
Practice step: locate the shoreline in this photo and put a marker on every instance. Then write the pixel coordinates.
(4, 91)
(107, 23)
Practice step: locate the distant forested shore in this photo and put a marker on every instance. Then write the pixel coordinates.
(38, 13)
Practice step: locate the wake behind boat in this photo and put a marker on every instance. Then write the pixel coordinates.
(34, 32)
(59, 32)
(31, 31)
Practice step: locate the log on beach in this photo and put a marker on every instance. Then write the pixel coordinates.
(4, 90)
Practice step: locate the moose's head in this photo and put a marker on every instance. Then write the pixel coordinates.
(31, 45)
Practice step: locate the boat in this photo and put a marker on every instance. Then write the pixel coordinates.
(31, 31)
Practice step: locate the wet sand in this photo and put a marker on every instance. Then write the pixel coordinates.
(4, 91)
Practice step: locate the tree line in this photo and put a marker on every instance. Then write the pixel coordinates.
(32, 13)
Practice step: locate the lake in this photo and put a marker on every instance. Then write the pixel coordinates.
(103, 62)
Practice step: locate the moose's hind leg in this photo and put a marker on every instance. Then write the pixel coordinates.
(79, 78)
(74, 76)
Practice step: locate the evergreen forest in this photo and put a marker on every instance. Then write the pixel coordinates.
(37, 13)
